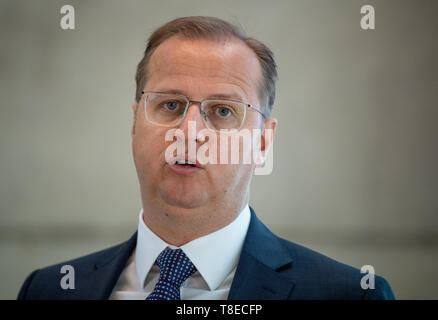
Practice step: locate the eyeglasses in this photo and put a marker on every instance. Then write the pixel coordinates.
(169, 110)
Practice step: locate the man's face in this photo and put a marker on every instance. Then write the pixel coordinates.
(198, 69)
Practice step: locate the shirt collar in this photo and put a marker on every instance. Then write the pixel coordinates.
(215, 255)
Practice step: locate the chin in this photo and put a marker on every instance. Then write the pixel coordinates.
(187, 197)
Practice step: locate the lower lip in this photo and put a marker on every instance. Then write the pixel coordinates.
(184, 169)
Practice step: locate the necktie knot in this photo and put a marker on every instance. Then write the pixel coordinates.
(175, 268)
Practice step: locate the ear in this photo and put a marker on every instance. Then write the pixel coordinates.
(134, 109)
(266, 141)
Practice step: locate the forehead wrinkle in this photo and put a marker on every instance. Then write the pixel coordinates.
(205, 83)
(216, 91)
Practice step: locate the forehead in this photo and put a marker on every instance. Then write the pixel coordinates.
(204, 67)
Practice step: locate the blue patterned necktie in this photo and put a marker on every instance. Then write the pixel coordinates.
(175, 268)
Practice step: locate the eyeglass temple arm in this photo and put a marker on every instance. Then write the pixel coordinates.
(254, 108)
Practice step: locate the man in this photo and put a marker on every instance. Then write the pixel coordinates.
(197, 237)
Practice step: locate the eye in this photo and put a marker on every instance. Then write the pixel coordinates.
(172, 105)
(223, 112)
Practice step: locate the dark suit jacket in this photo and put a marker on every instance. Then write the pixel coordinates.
(269, 268)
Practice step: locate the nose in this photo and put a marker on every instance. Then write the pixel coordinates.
(193, 114)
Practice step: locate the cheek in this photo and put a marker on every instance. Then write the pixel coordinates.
(148, 149)
(236, 149)
(230, 178)
(233, 161)
(236, 177)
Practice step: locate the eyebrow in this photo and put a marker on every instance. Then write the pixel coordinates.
(231, 96)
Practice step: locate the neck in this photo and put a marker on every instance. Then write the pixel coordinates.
(178, 226)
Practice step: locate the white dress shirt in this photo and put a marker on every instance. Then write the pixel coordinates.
(214, 255)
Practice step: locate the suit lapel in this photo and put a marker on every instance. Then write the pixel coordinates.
(99, 276)
(258, 274)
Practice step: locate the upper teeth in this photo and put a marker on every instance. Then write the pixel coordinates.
(192, 163)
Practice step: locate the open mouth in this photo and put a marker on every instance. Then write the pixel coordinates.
(185, 163)
(184, 166)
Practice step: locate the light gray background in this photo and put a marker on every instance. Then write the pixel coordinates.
(355, 172)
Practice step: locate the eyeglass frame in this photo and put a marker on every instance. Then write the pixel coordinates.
(201, 107)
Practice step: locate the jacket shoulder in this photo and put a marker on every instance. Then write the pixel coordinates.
(322, 277)
(45, 283)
